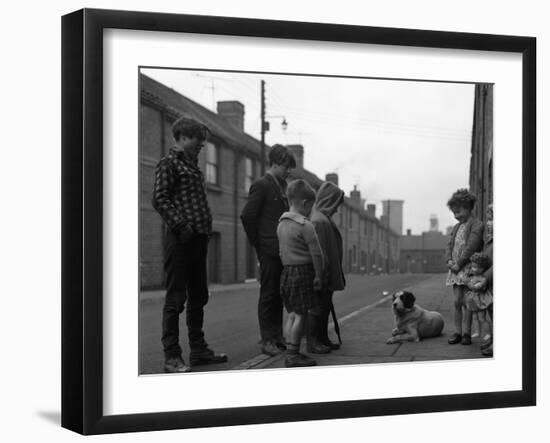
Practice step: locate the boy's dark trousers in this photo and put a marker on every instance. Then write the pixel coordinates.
(318, 319)
(186, 281)
(270, 304)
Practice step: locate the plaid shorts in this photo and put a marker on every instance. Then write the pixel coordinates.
(297, 288)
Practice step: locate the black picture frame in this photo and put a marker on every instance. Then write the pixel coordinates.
(82, 218)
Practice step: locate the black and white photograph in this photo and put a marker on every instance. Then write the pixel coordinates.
(289, 220)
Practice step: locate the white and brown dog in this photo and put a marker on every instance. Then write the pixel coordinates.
(413, 323)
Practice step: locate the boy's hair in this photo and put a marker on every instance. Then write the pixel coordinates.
(462, 198)
(281, 155)
(299, 190)
(482, 260)
(189, 127)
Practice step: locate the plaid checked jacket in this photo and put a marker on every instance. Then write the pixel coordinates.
(179, 194)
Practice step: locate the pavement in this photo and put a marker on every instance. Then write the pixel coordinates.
(365, 331)
(156, 295)
(231, 322)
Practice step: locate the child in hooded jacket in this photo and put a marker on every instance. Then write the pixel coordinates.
(328, 200)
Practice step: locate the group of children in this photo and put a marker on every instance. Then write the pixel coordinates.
(470, 262)
(312, 268)
(310, 250)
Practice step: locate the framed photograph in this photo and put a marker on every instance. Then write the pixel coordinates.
(269, 221)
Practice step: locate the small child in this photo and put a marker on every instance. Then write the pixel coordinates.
(465, 239)
(302, 267)
(478, 298)
(329, 198)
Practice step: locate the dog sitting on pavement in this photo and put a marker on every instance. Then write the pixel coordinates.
(412, 322)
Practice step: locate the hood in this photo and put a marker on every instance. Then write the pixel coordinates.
(328, 198)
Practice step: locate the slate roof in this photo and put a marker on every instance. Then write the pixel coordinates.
(179, 105)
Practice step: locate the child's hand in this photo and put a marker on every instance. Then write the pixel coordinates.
(455, 268)
(317, 284)
(450, 264)
(482, 285)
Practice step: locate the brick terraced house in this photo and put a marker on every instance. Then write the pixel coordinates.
(231, 161)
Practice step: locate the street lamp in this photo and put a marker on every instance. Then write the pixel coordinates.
(265, 128)
(284, 123)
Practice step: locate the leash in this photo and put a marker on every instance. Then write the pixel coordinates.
(335, 321)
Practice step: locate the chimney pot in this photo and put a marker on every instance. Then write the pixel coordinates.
(298, 151)
(233, 112)
(332, 177)
(371, 209)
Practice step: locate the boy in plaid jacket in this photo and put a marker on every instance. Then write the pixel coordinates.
(179, 196)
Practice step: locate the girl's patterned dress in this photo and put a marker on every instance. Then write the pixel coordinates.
(462, 276)
(478, 300)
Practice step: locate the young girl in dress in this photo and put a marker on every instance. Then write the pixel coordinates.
(478, 298)
(466, 238)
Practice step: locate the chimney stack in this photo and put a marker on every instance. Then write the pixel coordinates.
(434, 223)
(332, 177)
(408, 232)
(298, 151)
(371, 210)
(233, 112)
(355, 195)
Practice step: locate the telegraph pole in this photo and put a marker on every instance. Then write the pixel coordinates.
(263, 126)
(388, 252)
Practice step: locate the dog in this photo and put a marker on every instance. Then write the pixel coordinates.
(412, 322)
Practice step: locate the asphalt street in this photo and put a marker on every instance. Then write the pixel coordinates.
(231, 324)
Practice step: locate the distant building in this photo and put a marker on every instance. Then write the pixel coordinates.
(393, 210)
(434, 223)
(231, 162)
(423, 253)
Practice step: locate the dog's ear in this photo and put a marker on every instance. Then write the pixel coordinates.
(408, 299)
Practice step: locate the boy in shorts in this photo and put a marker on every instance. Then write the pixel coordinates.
(302, 267)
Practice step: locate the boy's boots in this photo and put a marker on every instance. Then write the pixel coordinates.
(323, 331)
(314, 344)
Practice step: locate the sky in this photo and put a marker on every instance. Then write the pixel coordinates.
(393, 139)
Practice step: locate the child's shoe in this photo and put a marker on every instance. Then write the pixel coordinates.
(333, 346)
(455, 339)
(175, 365)
(299, 361)
(488, 351)
(271, 348)
(317, 347)
(466, 339)
(486, 343)
(205, 357)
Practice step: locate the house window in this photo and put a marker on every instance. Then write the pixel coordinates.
(212, 162)
(350, 219)
(248, 173)
(354, 254)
